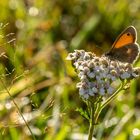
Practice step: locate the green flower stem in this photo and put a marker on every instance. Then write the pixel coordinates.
(98, 106)
(18, 109)
(99, 109)
(97, 112)
(95, 109)
(92, 122)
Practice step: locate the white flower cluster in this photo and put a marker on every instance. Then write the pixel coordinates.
(97, 74)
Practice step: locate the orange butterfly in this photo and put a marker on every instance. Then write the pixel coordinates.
(125, 48)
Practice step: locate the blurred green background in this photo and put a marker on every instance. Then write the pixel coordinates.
(35, 38)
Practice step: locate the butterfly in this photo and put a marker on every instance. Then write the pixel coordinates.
(125, 48)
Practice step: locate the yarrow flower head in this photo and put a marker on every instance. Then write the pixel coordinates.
(97, 74)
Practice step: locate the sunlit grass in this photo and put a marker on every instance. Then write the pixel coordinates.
(35, 38)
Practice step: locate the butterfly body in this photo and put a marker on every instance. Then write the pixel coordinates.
(125, 48)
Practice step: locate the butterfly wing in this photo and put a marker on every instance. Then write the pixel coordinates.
(127, 53)
(124, 48)
(126, 37)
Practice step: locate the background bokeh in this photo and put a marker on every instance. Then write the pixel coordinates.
(35, 38)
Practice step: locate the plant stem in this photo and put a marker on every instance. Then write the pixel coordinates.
(91, 128)
(112, 96)
(17, 108)
(98, 111)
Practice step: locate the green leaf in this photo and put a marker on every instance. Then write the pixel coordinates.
(83, 113)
